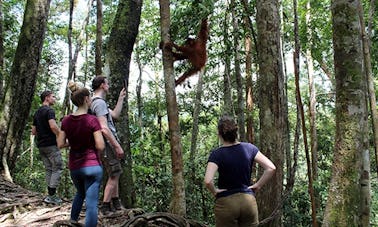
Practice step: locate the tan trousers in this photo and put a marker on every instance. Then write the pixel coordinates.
(239, 210)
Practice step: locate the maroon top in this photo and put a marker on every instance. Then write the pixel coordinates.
(79, 131)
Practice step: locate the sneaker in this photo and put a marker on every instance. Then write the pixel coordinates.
(53, 200)
(117, 204)
(105, 209)
(76, 223)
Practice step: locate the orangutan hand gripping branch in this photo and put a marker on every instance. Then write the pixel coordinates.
(194, 50)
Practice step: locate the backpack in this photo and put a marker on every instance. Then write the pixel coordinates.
(90, 110)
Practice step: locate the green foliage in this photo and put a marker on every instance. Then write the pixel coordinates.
(150, 144)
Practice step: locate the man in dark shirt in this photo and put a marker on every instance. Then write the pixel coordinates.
(46, 130)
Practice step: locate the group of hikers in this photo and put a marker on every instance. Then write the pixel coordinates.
(91, 136)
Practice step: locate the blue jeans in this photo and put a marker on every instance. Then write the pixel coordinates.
(87, 181)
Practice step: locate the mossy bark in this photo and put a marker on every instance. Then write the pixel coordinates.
(118, 56)
(345, 192)
(14, 110)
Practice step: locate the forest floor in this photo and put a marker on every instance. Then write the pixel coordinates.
(22, 207)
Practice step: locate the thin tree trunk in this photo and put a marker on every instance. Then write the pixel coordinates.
(238, 77)
(302, 116)
(66, 103)
(73, 59)
(348, 201)
(365, 180)
(228, 108)
(312, 90)
(98, 55)
(369, 75)
(248, 69)
(1, 53)
(139, 96)
(194, 182)
(177, 205)
(19, 96)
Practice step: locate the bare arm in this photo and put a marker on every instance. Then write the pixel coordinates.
(211, 169)
(33, 130)
(62, 140)
(99, 140)
(109, 136)
(54, 127)
(269, 169)
(116, 112)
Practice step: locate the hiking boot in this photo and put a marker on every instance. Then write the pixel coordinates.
(53, 200)
(117, 204)
(105, 209)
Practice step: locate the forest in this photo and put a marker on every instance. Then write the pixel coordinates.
(299, 77)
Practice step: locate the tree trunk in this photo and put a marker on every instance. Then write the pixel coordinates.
(302, 116)
(227, 99)
(1, 52)
(139, 96)
(347, 204)
(73, 59)
(272, 103)
(23, 75)
(121, 42)
(312, 90)
(177, 205)
(195, 180)
(369, 76)
(238, 77)
(248, 69)
(98, 54)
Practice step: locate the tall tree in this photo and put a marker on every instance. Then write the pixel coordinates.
(238, 77)
(72, 61)
(272, 104)
(302, 115)
(178, 205)
(1, 51)
(227, 97)
(369, 74)
(23, 75)
(120, 47)
(312, 90)
(348, 203)
(98, 54)
(249, 47)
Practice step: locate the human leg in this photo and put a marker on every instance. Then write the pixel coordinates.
(56, 161)
(249, 212)
(78, 178)
(43, 151)
(113, 169)
(226, 212)
(92, 187)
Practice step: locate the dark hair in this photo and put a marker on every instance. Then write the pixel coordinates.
(44, 95)
(97, 81)
(78, 93)
(228, 129)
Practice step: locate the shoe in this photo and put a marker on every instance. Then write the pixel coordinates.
(105, 209)
(53, 200)
(117, 204)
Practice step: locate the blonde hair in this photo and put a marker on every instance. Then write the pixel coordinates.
(78, 93)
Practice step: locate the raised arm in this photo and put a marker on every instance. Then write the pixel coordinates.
(116, 112)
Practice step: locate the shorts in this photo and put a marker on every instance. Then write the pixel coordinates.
(111, 162)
